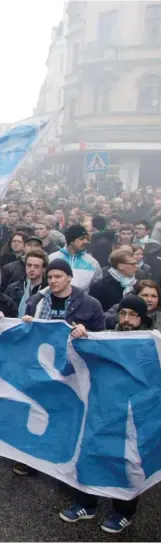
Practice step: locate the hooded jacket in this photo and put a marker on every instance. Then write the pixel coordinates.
(86, 270)
(83, 309)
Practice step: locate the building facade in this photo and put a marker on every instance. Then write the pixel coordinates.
(112, 94)
(51, 96)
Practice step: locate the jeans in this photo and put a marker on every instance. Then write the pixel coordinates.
(124, 507)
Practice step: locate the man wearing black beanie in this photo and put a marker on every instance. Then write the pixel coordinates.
(85, 268)
(132, 313)
(61, 300)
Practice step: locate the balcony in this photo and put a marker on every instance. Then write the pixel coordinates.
(118, 129)
(93, 52)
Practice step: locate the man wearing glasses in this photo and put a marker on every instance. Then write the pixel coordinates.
(118, 282)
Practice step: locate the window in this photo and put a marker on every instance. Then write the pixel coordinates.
(103, 95)
(149, 95)
(107, 28)
(75, 59)
(61, 62)
(152, 32)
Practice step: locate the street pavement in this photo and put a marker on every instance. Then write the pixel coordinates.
(29, 508)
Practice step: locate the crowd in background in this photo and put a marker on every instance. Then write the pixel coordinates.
(120, 239)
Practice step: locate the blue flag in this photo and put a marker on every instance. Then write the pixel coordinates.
(15, 144)
(87, 412)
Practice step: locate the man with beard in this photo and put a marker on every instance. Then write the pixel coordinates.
(132, 315)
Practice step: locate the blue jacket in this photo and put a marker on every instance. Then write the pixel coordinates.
(83, 309)
(86, 270)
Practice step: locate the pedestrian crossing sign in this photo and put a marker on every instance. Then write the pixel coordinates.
(97, 161)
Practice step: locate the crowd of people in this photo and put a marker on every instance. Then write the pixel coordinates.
(91, 261)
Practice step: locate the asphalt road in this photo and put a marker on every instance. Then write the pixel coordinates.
(29, 508)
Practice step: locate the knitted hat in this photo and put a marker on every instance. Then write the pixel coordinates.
(60, 264)
(138, 305)
(75, 231)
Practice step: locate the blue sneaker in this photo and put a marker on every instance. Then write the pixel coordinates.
(77, 512)
(115, 523)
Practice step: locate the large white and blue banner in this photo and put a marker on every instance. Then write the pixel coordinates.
(87, 412)
(15, 145)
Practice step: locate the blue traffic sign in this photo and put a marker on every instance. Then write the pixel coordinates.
(97, 162)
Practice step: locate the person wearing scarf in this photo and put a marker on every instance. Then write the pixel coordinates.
(142, 237)
(119, 280)
(36, 262)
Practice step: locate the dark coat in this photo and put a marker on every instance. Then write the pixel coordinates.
(152, 257)
(143, 273)
(83, 309)
(15, 271)
(16, 291)
(7, 257)
(101, 246)
(5, 235)
(50, 248)
(7, 306)
(108, 291)
(111, 317)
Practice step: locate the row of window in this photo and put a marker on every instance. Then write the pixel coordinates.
(152, 26)
(108, 30)
(149, 96)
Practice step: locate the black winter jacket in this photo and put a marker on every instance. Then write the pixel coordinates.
(16, 290)
(7, 306)
(101, 246)
(7, 257)
(5, 234)
(108, 291)
(152, 257)
(15, 271)
(143, 273)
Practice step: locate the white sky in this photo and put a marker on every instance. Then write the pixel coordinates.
(25, 32)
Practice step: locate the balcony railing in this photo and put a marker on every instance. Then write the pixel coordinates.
(95, 52)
